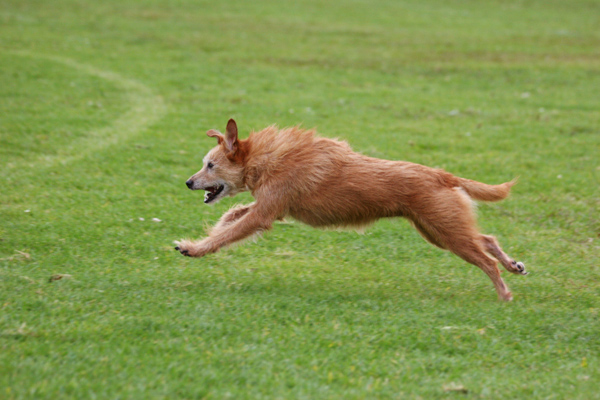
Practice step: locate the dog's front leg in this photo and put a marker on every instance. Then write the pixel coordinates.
(231, 216)
(229, 230)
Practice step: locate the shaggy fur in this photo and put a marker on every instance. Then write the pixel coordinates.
(323, 183)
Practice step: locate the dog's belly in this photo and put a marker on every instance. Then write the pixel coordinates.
(323, 220)
(341, 214)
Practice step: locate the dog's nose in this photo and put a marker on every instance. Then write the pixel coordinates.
(189, 183)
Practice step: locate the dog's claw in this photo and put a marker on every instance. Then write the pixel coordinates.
(182, 251)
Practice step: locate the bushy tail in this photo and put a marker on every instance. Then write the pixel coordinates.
(484, 192)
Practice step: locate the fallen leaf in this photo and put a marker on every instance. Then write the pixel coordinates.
(57, 277)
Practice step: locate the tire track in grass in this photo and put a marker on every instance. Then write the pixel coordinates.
(145, 109)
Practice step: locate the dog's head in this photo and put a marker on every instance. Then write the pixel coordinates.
(223, 172)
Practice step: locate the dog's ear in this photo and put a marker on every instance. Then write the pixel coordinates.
(217, 134)
(231, 136)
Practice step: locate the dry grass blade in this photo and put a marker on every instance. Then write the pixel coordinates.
(453, 387)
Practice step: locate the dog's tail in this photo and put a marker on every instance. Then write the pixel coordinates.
(484, 192)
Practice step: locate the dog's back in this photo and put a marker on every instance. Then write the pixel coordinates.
(325, 183)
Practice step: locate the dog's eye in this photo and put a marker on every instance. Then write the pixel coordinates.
(210, 165)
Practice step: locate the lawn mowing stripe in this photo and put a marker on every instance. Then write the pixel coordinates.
(146, 108)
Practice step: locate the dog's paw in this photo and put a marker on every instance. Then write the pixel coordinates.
(198, 248)
(182, 251)
(519, 267)
(505, 296)
(184, 247)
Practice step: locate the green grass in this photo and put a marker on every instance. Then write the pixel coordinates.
(103, 109)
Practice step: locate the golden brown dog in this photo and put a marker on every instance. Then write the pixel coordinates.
(323, 183)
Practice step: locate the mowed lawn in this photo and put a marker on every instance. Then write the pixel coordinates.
(104, 107)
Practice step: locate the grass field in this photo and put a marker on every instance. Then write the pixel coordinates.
(103, 111)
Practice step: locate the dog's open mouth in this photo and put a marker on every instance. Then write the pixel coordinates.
(212, 192)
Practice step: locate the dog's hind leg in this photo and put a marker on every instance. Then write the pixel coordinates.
(461, 239)
(428, 234)
(470, 251)
(491, 246)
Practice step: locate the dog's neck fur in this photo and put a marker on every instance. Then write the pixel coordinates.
(266, 148)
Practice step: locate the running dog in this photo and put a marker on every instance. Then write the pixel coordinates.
(323, 183)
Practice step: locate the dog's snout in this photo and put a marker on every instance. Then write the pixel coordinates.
(189, 183)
